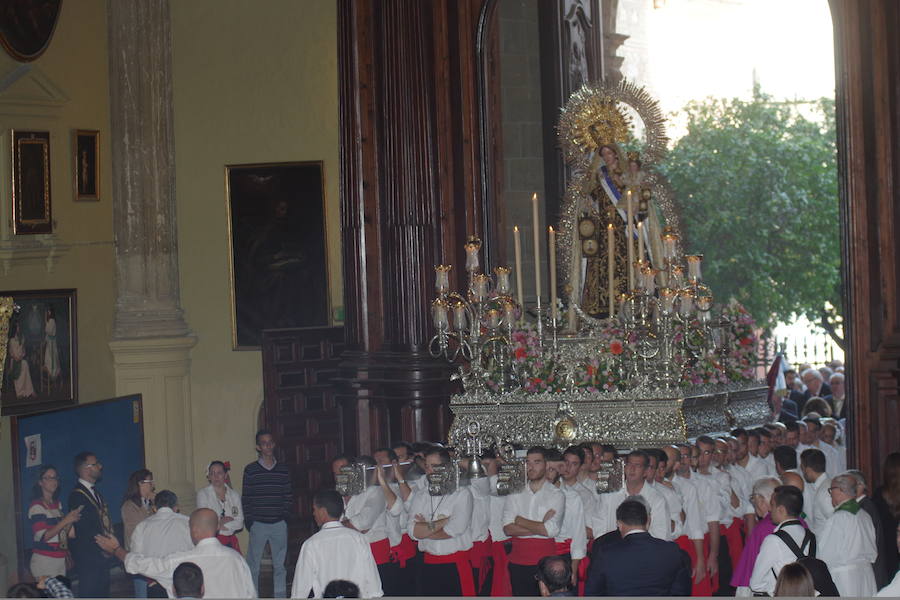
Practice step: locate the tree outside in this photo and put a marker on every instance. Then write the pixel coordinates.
(756, 181)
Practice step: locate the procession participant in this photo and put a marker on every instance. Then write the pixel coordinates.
(532, 518)
(367, 514)
(571, 541)
(761, 499)
(587, 472)
(334, 552)
(219, 497)
(774, 553)
(882, 572)
(574, 457)
(744, 517)
(812, 464)
(500, 585)
(792, 435)
(807, 437)
(828, 437)
(402, 548)
(732, 514)
(847, 541)
(694, 537)
(786, 465)
(778, 431)
(656, 457)
(635, 484)
(710, 494)
(440, 524)
(754, 464)
(766, 445)
(482, 545)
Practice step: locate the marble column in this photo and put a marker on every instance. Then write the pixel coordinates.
(151, 340)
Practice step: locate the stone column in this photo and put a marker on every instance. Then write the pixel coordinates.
(151, 340)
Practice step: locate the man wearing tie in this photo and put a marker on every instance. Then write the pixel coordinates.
(91, 563)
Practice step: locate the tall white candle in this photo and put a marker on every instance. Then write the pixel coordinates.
(551, 250)
(517, 241)
(611, 265)
(575, 279)
(629, 239)
(640, 234)
(537, 247)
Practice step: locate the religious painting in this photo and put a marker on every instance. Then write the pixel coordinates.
(87, 164)
(31, 182)
(40, 370)
(26, 27)
(279, 271)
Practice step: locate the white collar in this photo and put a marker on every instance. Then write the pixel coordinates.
(165, 510)
(263, 465)
(634, 531)
(331, 525)
(87, 484)
(208, 542)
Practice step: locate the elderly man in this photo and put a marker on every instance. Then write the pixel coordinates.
(225, 572)
(815, 386)
(847, 541)
(812, 463)
(532, 518)
(554, 576)
(882, 572)
(838, 396)
(761, 498)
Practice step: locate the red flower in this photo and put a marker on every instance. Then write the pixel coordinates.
(591, 370)
(616, 347)
(521, 353)
(746, 341)
(227, 465)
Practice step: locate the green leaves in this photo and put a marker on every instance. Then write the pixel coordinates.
(757, 185)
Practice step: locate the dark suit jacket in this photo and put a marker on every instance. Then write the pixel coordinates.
(789, 412)
(84, 549)
(801, 399)
(639, 565)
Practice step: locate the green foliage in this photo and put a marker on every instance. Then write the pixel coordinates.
(757, 185)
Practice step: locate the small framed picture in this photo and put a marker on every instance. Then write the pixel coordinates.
(87, 164)
(40, 371)
(31, 182)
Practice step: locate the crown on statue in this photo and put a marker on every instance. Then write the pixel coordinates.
(633, 155)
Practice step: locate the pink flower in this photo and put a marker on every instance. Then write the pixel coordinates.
(616, 347)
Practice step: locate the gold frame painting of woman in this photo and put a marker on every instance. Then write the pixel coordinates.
(32, 212)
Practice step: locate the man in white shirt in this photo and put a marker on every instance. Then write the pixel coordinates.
(636, 465)
(571, 541)
(334, 552)
(532, 518)
(766, 445)
(225, 572)
(367, 514)
(786, 504)
(573, 458)
(847, 541)
(711, 498)
(655, 477)
(164, 532)
(812, 464)
(402, 549)
(441, 526)
(695, 526)
(743, 516)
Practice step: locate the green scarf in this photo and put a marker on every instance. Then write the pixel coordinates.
(851, 506)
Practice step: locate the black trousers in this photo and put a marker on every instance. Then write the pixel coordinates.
(439, 580)
(521, 578)
(391, 582)
(93, 577)
(725, 570)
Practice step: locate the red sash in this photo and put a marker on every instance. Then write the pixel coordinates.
(583, 568)
(735, 541)
(463, 568)
(404, 551)
(563, 547)
(480, 555)
(500, 584)
(381, 551)
(704, 588)
(229, 540)
(528, 551)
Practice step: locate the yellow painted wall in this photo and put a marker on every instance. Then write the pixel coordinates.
(252, 85)
(65, 89)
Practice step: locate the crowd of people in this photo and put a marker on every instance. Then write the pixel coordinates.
(765, 511)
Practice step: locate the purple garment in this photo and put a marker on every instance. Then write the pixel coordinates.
(744, 568)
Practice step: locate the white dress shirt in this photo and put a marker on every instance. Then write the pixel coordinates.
(847, 545)
(498, 503)
(535, 505)
(225, 572)
(587, 491)
(573, 525)
(758, 468)
(231, 507)
(367, 513)
(659, 512)
(742, 484)
(335, 552)
(395, 519)
(891, 590)
(723, 478)
(770, 462)
(773, 555)
(821, 507)
(162, 534)
(695, 525)
(457, 507)
(481, 508)
(710, 497)
(675, 506)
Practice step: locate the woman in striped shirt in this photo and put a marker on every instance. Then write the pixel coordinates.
(49, 527)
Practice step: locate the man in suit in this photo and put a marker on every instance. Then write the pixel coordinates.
(638, 565)
(815, 386)
(91, 563)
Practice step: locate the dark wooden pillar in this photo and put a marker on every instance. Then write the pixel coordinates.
(408, 201)
(868, 118)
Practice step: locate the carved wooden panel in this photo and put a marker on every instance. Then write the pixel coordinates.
(301, 408)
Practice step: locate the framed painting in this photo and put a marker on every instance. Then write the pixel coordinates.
(86, 153)
(26, 27)
(31, 182)
(277, 252)
(40, 371)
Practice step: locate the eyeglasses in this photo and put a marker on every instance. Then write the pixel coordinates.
(94, 464)
(707, 452)
(832, 489)
(150, 481)
(50, 477)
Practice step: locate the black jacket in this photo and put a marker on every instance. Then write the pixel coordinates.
(639, 565)
(83, 547)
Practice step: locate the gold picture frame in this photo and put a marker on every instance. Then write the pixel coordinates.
(277, 248)
(32, 212)
(86, 164)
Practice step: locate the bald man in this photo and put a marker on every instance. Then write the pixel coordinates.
(225, 572)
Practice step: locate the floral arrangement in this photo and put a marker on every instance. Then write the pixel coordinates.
(602, 370)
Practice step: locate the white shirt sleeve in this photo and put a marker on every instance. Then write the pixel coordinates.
(304, 574)
(554, 523)
(659, 519)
